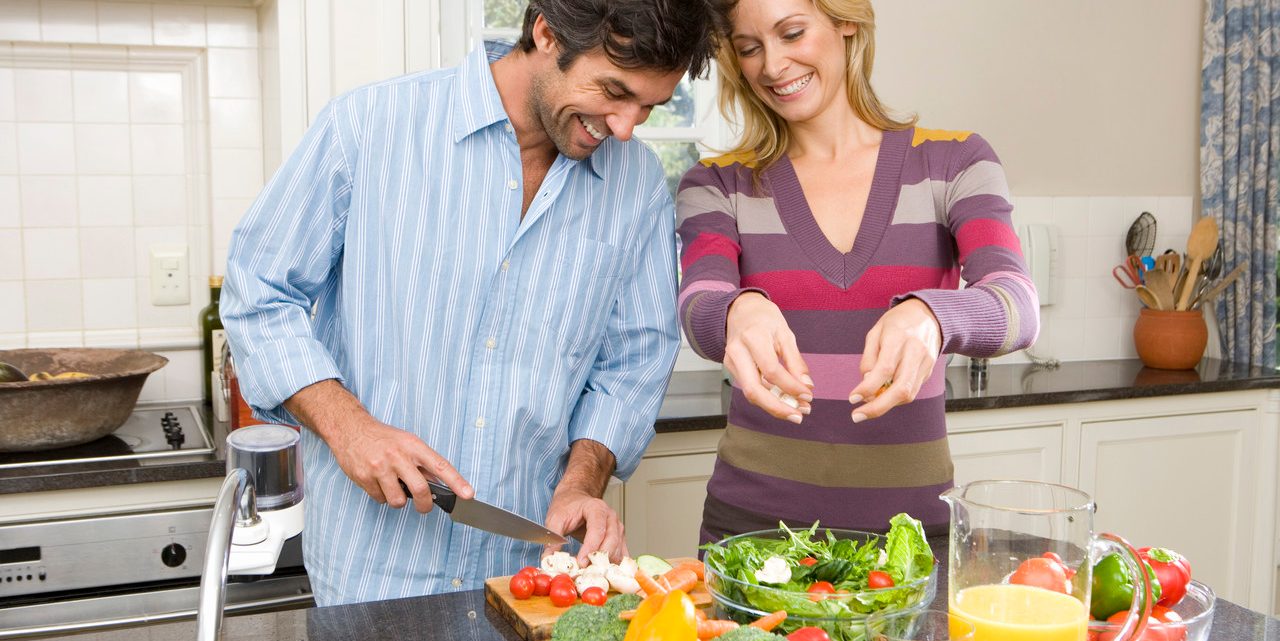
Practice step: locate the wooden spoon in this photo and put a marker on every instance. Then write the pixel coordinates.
(1200, 246)
(1148, 297)
(1160, 284)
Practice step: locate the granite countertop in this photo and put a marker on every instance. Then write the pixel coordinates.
(464, 616)
(1004, 386)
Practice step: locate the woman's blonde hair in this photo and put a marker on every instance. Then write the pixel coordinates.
(764, 134)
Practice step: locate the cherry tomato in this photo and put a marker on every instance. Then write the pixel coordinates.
(877, 580)
(820, 589)
(1042, 573)
(594, 595)
(563, 579)
(529, 571)
(563, 595)
(541, 584)
(521, 586)
(808, 633)
(808, 560)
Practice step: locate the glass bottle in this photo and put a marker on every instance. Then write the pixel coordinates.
(211, 336)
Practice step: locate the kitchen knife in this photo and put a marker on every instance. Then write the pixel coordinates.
(490, 518)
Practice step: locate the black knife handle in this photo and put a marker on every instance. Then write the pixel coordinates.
(440, 495)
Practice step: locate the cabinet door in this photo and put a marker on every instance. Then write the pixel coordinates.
(1184, 482)
(1029, 453)
(663, 504)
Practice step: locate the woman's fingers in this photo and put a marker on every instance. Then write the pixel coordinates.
(746, 374)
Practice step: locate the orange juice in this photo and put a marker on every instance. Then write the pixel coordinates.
(1021, 613)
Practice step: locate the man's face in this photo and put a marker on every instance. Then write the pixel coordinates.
(594, 99)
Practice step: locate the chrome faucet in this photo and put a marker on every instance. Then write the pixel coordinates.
(262, 475)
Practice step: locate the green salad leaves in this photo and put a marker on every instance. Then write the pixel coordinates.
(816, 555)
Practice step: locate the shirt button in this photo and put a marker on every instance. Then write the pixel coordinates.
(491, 343)
(507, 126)
(457, 583)
(512, 184)
(480, 422)
(506, 264)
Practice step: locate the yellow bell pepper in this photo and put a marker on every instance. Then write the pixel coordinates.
(644, 613)
(676, 621)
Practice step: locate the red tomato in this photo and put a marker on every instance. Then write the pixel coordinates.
(877, 580)
(521, 586)
(1041, 573)
(808, 560)
(541, 584)
(563, 579)
(1066, 569)
(820, 589)
(563, 595)
(529, 571)
(1174, 630)
(808, 633)
(1155, 631)
(594, 595)
(1172, 570)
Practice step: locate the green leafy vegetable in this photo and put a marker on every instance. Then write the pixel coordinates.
(842, 562)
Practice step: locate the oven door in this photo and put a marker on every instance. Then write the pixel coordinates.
(162, 601)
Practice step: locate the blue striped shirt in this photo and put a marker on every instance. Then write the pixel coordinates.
(497, 340)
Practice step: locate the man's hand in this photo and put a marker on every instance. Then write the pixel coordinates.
(760, 351)
(576, 507)
(375, 455)
(899, 356)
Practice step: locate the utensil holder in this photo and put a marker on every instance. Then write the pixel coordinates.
(1167, 339)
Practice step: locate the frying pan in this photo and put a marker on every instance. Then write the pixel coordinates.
(42, 415)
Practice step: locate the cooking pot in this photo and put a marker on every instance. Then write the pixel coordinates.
(42, 415)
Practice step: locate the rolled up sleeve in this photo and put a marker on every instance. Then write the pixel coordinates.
(282, 256)
(624, 389)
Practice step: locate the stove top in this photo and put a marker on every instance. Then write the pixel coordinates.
(156, 432)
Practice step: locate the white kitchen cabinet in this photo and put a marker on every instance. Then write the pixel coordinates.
(1187, 482)
(662, 501)
(1028, 452)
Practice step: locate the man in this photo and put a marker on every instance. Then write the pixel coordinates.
(468, 275)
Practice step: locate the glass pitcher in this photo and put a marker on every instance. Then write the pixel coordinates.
(995, 526)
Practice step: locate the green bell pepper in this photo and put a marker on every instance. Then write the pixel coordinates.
(1113, 587)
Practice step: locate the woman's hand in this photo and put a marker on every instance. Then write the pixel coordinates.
(899, 356)
(760, 351)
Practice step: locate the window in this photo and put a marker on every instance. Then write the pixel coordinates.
(679, 131)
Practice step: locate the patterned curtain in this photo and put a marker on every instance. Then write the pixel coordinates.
(1240, 165)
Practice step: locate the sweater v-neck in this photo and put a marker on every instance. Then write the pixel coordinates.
(838, 267)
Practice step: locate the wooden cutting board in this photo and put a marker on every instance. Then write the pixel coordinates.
(533, 618)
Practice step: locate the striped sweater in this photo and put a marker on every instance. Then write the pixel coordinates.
(938, 211)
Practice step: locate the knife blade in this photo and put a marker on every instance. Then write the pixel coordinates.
(487, 517)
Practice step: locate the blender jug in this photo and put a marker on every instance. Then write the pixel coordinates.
(995, 526)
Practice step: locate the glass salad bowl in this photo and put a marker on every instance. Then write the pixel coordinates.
(1195, 609)
(736, 593)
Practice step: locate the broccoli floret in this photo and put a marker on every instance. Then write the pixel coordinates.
(584, 622)
(748, 633)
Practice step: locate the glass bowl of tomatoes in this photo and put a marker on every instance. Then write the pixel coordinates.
(824, 578)
(1188, 620)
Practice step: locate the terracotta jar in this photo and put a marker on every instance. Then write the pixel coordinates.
(1170, 339)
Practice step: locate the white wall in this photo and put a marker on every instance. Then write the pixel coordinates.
(123, 125)
(1093, 107)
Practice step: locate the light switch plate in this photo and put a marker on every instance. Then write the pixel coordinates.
(170, 275)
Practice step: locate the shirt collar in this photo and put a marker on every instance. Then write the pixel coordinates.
(476, 103)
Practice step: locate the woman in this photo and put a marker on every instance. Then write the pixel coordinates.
(821, 263)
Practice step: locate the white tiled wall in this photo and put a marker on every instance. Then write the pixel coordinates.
(1092, 316)
(108, 147)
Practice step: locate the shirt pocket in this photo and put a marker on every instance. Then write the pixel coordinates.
(591, 270)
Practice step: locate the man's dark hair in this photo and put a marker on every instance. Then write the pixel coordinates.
(667, 35)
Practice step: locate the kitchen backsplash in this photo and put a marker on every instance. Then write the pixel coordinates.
(124, 127)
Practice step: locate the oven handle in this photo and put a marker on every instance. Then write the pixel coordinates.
(64, 628)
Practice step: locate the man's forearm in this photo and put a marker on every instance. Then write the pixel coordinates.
(589, 468)
(324, 406)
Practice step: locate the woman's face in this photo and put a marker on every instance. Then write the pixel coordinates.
(791, 55)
